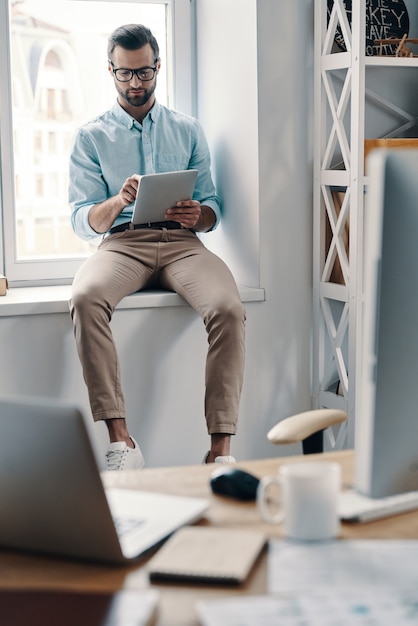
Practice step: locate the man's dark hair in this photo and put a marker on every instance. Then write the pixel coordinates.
(132, 37)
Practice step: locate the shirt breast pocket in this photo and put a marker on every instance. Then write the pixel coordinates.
(171, 162)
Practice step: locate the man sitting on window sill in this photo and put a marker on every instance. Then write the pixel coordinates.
(135, 137)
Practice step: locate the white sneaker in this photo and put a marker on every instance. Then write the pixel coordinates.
(120, 456)
(225, 460)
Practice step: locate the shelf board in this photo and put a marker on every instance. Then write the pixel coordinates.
(342, 61)
(391, 61)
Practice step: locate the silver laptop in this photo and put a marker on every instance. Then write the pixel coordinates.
(52, 497)
(159, 192)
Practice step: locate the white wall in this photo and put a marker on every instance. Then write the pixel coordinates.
(257, 119)
(258, 112)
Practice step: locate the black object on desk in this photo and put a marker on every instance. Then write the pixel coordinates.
(234, 483)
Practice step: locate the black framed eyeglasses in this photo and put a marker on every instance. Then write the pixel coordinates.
(124, 75)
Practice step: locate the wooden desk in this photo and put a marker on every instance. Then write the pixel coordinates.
(176, 607)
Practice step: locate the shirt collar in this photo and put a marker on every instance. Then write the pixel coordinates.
(128, 121)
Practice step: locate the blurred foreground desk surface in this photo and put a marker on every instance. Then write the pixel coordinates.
(177, 602)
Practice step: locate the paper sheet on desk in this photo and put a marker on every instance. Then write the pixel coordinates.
(315, 608)
(340, 565)
(342, 583)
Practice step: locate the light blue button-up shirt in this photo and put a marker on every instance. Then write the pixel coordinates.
(114, 146)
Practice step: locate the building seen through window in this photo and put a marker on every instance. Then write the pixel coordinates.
(59, 80)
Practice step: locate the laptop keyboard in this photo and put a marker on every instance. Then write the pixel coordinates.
(125, 525)
(354, 507)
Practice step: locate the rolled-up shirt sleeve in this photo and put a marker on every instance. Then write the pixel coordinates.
(87, 186)
(204, 190)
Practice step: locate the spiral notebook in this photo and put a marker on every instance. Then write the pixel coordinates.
(208, 555)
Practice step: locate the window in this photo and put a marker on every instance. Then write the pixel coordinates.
(55, 78)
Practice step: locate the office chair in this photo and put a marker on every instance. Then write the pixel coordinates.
(306, 427)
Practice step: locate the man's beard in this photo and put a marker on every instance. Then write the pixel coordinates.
(138, 100)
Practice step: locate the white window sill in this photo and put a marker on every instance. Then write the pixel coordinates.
(41, 300)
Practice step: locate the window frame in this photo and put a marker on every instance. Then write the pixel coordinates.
(181, 89)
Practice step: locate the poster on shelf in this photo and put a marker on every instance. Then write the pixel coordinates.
(385, 19)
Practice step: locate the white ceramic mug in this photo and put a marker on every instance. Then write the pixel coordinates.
(309, 496)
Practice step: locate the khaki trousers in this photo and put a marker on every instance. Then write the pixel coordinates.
(176, 260)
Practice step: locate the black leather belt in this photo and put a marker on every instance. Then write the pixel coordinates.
(129, 226)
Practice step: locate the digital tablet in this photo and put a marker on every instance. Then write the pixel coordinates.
(158, 192)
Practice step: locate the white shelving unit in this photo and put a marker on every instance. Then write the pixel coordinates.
(340, 93)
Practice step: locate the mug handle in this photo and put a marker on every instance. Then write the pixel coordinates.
(263, 503)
